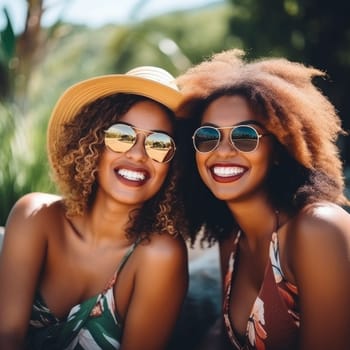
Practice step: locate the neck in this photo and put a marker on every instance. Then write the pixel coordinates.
(256, 219)
(106, 221)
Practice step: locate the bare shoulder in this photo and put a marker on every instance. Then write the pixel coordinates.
(323, 218)
(163, 249)
(32, 220)
(32, 211)
(318, 235)
(32, 202)
(319, 250)
(161, 264)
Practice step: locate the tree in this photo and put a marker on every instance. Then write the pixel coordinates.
(7, 53)
(316, 32)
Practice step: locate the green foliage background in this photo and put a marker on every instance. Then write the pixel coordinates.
(315, 32)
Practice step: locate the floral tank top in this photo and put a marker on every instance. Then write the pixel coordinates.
(91, 325)
(274, 320)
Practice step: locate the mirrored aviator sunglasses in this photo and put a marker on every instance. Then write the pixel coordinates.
(158, 146)
(244, 138)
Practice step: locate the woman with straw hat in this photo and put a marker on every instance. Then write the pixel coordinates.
(104, 266)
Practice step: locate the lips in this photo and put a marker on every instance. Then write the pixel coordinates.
(227, 173)
(132, 177)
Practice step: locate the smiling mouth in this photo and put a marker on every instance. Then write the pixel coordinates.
(227, 171)
(131, 175)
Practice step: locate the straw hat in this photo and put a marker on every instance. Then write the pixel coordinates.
(152, 82)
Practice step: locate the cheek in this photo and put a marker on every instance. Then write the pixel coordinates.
(104, 164)
(262, 162)
(161, 171)
(105, 159)
(200, 161)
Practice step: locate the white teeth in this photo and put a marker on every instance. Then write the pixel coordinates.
(131, 175)
(227, 171)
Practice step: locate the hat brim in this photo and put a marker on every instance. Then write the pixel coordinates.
(82, 93)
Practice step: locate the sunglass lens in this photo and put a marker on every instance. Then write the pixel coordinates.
(206, 139)
(120, 138)
(245, 138)
(160, 147)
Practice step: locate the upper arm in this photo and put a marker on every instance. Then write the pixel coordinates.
(160, 287)
(321, 264)
(20, 262)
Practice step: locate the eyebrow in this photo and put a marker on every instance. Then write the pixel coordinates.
(150, 131)
(245, 122)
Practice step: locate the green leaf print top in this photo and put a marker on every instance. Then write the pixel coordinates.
(91, 325)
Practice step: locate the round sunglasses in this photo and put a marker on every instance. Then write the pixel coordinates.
(159, 146)
(244, 138)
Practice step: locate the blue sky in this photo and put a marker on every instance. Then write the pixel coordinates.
(96, 12)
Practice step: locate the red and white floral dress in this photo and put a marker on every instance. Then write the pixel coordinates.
(274, 320)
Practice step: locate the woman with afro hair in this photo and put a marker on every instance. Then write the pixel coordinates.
(265, 182)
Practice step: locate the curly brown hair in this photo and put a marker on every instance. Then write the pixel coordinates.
(303, 121)
(76, 160)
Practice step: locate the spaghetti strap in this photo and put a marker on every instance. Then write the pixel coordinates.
(126, 256)
(275, 310)
(97, 316)
(121, 264)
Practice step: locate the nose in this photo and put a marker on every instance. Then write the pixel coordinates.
(137, 152)
(225, 144)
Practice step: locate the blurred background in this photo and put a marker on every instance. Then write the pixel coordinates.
(47, 45)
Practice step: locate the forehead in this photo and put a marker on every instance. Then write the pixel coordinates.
(229, 110)
(148, 115)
